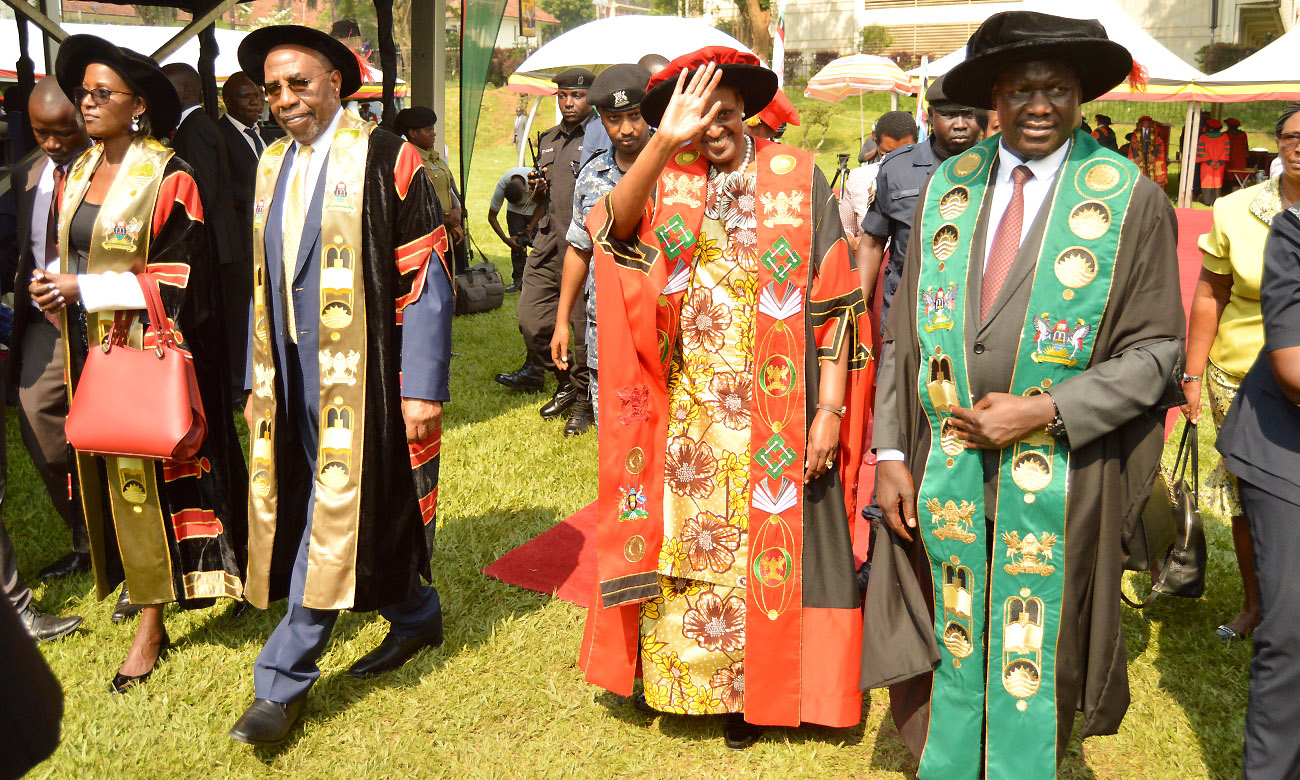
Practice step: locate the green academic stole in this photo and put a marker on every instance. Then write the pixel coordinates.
(1010, 701)
(331, 557)
(120, 242)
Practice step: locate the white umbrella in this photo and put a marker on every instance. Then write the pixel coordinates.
(615, 40)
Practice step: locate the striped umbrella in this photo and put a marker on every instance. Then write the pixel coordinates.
(856, 74)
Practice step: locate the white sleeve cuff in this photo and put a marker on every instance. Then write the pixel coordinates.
(888, 453)
(110, 291)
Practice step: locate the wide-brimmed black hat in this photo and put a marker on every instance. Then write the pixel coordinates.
(141, 73)
(1013, 37)
(257, 44)
(741, 71)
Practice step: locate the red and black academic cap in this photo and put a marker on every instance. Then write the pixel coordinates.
(741, 71)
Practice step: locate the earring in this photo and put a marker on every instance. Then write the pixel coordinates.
(135, 123)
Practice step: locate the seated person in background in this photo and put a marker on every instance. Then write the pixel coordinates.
(523, 210)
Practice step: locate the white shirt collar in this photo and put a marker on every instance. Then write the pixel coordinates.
(185, 112)
(240, 126)
(1044, 168)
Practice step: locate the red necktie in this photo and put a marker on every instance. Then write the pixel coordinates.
(52, 231)
(1006, 242)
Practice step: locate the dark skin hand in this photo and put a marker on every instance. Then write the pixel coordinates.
(896, 496)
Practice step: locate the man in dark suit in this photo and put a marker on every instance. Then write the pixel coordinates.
(244, 145)
(36, 359)
(199, 142)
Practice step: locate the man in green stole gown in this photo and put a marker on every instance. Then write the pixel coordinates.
(1034, 339)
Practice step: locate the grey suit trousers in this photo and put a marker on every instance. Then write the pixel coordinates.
(43, 400)
(1272, 749)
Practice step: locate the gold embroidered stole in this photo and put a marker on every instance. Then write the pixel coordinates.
(120, 242)
(331, 568)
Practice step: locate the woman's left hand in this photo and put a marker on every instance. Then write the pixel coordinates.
(823, 445)
(52, 292)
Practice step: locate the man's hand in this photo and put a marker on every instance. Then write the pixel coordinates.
(1001, 419)
(692, 108)
(513, 244)
(560, 345)
(422, 418)
(248, 413)
(896, 496)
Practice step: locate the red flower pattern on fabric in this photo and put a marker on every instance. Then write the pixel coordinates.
(704, 323)
(715, 624)
(690, 467)
(710, 542)
(728, 684)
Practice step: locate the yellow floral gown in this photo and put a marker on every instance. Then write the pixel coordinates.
(693, 632)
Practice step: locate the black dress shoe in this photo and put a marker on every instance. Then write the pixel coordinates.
(241, 607)
(72, 563)
(513, 287)
(44, 627)
(580, 419)
(642, 706)
(123, 683)
(566, 395)
(528, 378)
(396, 650)
(125, 609)
(267, 722)
(738, 734)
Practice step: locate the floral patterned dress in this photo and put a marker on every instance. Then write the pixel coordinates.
(693, 633)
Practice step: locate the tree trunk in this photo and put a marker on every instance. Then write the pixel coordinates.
(759, 22)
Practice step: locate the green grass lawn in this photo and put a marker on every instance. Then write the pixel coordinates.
(503, 697)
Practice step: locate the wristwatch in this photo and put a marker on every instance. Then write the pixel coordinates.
(1056, 428)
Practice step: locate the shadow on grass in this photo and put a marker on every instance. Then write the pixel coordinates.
(474, 607)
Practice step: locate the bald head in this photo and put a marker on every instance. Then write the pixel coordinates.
(243, 98)
(653, 63)
(56, 124)
(185, 80)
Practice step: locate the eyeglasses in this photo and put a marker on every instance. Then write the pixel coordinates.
(100, 95)
(1288, 140)
(299, 85)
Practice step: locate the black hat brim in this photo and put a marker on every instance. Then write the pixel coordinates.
(257, 44)
(757, 86)
(1100, 63)
(143, 75)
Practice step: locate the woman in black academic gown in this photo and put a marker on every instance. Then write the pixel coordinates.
(174, 530)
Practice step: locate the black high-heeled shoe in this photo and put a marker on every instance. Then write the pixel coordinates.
(123, 683)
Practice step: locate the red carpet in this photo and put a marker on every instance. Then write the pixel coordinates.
(562, 560)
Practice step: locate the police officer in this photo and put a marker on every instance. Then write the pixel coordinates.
(559, 158)
(902, 173)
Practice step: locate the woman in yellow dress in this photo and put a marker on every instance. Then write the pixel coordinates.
(1226, 331)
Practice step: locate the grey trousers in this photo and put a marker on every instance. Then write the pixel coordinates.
(1272, 748)
(43, 400)
(538, 302)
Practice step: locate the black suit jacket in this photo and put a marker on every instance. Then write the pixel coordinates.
(243, 178)
(16, 260)
(198, 141)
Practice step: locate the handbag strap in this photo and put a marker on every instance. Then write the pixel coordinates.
(157, 314)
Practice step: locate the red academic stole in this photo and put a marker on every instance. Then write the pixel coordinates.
(641, 289)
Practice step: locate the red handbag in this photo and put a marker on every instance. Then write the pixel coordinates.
(140, 403)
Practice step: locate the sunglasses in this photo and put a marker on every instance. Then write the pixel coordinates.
(100, 95)
(299, 85)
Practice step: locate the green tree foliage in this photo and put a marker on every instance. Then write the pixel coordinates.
(1220, 56)
(874, 39)
(815, 117)
(677, 7)
(571, 13)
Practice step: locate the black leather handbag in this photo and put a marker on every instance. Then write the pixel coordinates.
(479, 288)
(1169, 533)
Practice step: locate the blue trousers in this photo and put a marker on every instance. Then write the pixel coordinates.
(286, 668)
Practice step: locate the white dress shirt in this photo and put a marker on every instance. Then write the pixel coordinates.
(1035, 194)
(41, 197)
